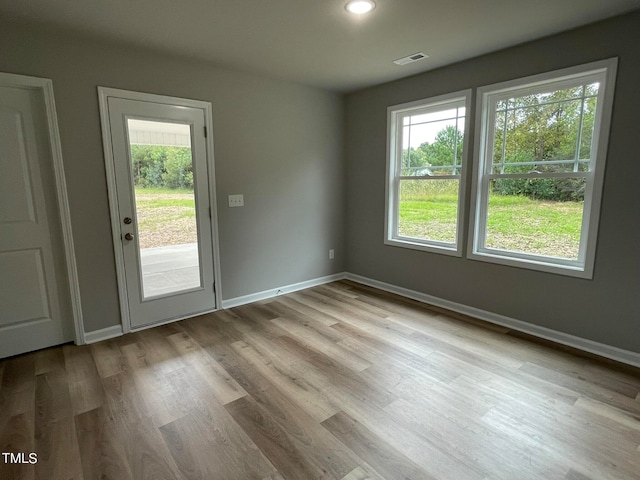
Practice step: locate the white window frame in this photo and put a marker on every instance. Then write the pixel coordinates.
(603, 71)
(394, 159)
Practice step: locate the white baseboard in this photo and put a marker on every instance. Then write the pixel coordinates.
(104, 334)
(117, 330)
(254, 297)
(607, 351)
(614, 353)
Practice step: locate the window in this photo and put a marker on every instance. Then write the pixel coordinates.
(540, 154)
(425, 173)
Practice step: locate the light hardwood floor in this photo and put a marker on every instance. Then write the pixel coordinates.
(340, 381)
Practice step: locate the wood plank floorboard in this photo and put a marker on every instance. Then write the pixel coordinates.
(388, 462)
(340, 381)
(363, 471)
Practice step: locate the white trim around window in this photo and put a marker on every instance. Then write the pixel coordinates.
(491, 100)
(411, 126)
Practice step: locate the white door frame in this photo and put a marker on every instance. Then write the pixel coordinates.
(45, 85)
(104, 93)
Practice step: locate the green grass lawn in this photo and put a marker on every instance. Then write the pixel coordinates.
(162, 191)
(514, 222)
(433, 218)
(165, 217)
(534, 226)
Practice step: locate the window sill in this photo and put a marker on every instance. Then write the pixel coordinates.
(500, 257)
(441, 248)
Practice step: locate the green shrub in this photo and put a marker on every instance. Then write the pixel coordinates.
(158, 166)
(178, 171)
(555, 189)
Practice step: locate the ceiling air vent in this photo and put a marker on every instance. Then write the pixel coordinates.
(410, 58)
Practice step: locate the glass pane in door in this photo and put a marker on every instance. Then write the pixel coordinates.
(165, 211)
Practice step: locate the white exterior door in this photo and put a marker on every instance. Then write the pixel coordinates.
(162, 211)
(35, 301)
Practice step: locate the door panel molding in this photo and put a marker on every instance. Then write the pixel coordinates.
(27, 269)
(45, 86)
(106, 93)
(17, 204)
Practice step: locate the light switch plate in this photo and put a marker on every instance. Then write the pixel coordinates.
(236, 200)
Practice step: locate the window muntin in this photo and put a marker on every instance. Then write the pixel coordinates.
(542, 146)
(427, 145)
(563, 121)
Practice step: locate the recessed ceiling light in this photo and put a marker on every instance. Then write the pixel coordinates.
(360, 6)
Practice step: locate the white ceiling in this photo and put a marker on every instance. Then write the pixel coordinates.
(317, 42)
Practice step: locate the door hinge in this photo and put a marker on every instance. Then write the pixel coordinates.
(209, 213)
(205, 131)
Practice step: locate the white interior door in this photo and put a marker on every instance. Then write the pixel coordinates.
(35, 303)
(163, 197)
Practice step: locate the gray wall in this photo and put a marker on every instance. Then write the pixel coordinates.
(278, 143)
(605, 309)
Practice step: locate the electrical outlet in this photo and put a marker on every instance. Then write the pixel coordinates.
(332, 254)
(236, 200)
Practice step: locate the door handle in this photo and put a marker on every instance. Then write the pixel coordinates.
(128, 236)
